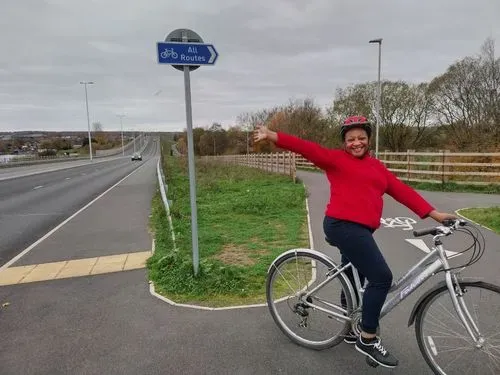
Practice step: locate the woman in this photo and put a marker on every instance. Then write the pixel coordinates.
(357, 185)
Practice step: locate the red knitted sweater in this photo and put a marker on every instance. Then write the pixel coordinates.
(356, 185)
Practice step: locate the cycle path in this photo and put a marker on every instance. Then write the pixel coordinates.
(110, 323)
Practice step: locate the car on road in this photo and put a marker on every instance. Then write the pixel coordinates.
(136, 156)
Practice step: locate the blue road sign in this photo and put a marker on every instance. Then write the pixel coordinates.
(175, 53)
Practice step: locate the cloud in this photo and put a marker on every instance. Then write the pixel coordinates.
(269, 52)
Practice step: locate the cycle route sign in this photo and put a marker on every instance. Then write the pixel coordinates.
(178, 53)
(185, 51)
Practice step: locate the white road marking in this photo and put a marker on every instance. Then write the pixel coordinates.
(420, 244)
(38, 187)
(398, 222)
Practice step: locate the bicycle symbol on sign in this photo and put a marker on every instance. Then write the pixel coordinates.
(169, 52)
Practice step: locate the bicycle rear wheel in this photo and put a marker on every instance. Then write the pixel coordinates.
(289, 278)
(444, 341)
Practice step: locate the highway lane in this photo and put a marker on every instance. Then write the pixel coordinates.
(32, 205)
(42, 167)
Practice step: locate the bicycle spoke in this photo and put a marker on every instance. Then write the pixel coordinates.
(455, 348)
(494, 335)
(313, 327)
(457, 357)
(472, 364)
(286, 281)
(445, 342)
(297, 269)
(495, 360)
(447, 331)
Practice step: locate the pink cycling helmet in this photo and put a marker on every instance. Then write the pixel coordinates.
(352, 122)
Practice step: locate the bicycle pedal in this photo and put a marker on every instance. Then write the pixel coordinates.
(371, 362)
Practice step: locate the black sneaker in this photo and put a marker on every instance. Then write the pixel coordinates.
(373, 348)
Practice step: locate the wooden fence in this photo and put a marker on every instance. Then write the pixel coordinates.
(440, 167)
(278, 162)
(434, 167)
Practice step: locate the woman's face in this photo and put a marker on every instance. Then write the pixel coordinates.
(356, 142)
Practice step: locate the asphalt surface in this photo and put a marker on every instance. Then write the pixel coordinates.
(44, 167)
(34, 203)
(111, 324)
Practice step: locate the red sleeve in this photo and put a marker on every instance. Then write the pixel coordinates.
(406, 195)
(322, 157)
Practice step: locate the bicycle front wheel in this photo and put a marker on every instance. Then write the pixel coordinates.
(289, 280)
(444, 341)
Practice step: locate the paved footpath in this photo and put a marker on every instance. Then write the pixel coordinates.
(110, 323)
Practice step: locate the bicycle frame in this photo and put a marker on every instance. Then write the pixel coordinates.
(405, 286)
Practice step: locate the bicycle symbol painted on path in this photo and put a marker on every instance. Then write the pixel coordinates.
(398, 222)
(169, 52)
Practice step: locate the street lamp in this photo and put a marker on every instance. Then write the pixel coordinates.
(88, 119)
(121, 127)
(134, 141)
(379, 89)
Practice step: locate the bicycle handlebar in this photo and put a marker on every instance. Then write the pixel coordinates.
(444, 229)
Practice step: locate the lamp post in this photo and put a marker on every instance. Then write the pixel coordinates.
(379, 89)
(134, 141)
(85, 83)
(121, 127)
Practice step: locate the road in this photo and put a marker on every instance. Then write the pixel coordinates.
(111, 324)
(34, 203)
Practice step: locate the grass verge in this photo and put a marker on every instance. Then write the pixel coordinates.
(246, 217)
(456, 188)
(488, 217)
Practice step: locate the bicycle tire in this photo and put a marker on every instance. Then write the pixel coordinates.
(426, 319)
(272, 301)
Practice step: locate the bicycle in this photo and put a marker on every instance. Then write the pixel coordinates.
(169, 52)
(447, 303)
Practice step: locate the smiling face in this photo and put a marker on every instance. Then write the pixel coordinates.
(356, 142)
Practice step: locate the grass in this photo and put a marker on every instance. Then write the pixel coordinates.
(488, 217)
(246, 217)
(456, 188)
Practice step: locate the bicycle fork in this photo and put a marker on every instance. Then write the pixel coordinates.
(457, 298)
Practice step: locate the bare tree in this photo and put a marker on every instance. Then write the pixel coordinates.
(97, 126)
(404, 114)
(356, 99)
(467, 99)
(406, 109)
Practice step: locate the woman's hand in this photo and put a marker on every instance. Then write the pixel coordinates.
(441, 216)
(261, 133)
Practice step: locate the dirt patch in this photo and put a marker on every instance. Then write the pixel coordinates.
(237, 255)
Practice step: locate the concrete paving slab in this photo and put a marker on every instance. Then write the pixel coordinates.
(13, 276)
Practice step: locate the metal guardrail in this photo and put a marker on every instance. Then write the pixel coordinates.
(163, 191)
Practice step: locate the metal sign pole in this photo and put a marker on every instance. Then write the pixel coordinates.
(185, 51)
(192, 181)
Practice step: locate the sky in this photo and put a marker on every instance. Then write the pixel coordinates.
(270, 52)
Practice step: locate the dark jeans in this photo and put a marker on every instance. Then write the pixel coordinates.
(356, 245)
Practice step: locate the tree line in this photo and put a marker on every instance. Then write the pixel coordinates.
(458, 110)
